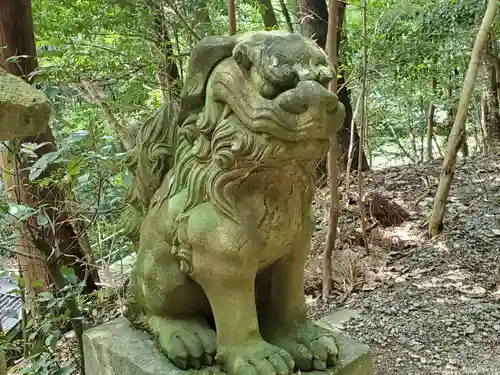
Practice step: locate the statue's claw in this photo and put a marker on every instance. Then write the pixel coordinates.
(256, 358)
(310, 346)
(188, 343)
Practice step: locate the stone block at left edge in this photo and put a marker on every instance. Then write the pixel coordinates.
(24, 110)
(116, 348)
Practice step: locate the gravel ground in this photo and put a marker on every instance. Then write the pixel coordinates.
(434, 307)
(424, 306)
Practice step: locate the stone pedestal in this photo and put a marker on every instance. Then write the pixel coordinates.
(116, 348)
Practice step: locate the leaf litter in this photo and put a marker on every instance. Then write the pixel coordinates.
(426, 306)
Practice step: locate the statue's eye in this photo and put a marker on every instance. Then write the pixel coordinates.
(325, 75)
(289, 77)
(263, 86)
(240, 55)
(268, 91)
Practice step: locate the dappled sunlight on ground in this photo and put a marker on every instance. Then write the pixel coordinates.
(426, 306)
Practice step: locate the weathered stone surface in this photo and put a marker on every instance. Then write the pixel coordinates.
(116, 348)
(24, 110)
(223, 188)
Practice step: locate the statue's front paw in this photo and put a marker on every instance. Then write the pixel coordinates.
(188, 343)
(312, 347)
(256, 358)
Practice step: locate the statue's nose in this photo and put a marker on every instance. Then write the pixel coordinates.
(308, 96)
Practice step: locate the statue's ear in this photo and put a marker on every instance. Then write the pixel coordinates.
(244, 53)
(203, 59)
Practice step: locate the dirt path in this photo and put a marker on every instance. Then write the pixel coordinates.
(424, 306)
(434, 307)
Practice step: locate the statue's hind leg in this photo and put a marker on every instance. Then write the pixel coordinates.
(173, 308)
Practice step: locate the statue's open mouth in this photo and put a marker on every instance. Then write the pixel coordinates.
(307, 111)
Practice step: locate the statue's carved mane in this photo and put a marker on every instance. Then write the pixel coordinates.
(199, 156)
(157, 141)
(149, 160)
(201, 146)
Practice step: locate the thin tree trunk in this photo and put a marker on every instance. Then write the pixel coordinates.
(413, 139)
(452, 113)
(430, 121)
(201, 21)
(364, 121)
(16, 34)
(484, 119)
(268, 15)
(124, 135)
(438, 147)
(344, 93)
(351, 146)
(231, 9)
(457, 134)
(464, 148)
(491, 110)
(33, 267)
(294, 13)
(313, 18)
(167, 71)
(494, 50)
(3, 359)
(334, 212)
(286, 15)
(401, 147)
(421, 130)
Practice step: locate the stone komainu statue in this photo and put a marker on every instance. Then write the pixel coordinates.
(223, 186)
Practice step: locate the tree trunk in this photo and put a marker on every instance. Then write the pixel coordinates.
(345, 134)
(32, 267)
(294, 12)
(313, 16)
(491, 111)
(231, 10)
(452, 113)
(414, 145)
(430, 121)
(344, 97)
(286, 15)
(363, 127)
(168, 73)
(494, 50)
(201, 22)
(268, 15)
(457, 134)
(124, 136)
(334, 212)
(17, 37)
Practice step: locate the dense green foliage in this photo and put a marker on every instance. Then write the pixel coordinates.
(115, 49)
(101, 64)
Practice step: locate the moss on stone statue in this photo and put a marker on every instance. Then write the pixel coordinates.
(223, 187)
(3, 363)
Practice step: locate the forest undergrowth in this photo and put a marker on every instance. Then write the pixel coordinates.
(424, 306)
